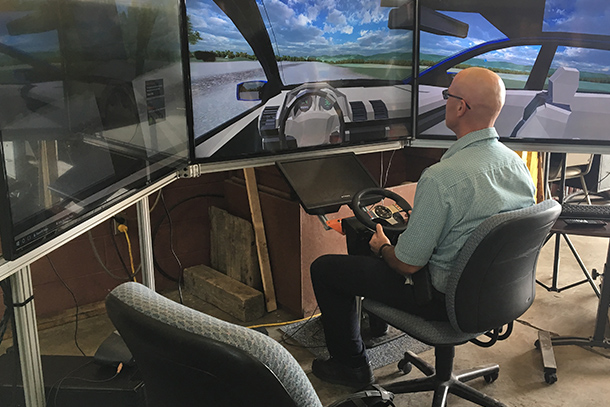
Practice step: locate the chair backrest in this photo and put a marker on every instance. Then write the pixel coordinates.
(576, 160)
(583, 162)
(494, 279)
(188, 358)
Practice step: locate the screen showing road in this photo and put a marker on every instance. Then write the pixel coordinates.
(280, 75)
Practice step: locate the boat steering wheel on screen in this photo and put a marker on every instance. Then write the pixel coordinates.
(313, 102)
(390, 216)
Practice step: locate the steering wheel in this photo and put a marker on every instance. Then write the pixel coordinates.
(389, 216)
(304, 104)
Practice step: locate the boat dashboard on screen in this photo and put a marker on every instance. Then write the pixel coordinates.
(280, 76)
(553, 56)
(92, 107)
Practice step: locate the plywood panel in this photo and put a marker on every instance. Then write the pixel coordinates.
(232, 248)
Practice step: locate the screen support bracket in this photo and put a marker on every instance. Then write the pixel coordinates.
(324, 221)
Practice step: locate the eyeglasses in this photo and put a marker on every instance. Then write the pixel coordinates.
(447, 95)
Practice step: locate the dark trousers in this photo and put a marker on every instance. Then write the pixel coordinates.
(339, 279)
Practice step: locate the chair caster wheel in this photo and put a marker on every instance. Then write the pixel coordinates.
(490, 378)
(537, 344)
(405, 366)
(550, 378)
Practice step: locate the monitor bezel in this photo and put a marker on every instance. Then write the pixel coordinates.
(259, 158)
(519, 144)
(154, 168)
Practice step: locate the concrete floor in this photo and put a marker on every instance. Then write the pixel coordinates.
(582, 373)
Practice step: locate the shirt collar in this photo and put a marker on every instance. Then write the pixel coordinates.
(471, 138)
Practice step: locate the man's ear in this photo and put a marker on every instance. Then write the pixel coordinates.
(461, 109)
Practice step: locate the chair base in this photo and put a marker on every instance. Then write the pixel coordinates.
(443, 381)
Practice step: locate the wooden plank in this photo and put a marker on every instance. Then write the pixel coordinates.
(261, 240)
(233, 247)
(235, 298)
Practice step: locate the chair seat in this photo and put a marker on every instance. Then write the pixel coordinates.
(433, 333)
(573, 172)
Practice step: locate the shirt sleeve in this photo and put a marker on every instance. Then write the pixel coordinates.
(418, 242)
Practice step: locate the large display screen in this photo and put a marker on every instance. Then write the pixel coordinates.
(92, 107)
(553, 55)
(279, 76)
(324, 184)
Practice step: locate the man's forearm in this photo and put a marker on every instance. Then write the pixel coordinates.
(387, 253)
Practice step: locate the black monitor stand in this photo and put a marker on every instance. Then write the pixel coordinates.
(545, 342)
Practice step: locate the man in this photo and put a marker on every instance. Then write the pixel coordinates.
(477, 177)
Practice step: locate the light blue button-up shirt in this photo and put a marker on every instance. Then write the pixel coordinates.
(477, 177)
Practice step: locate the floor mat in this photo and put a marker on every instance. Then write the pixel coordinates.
(386, 350)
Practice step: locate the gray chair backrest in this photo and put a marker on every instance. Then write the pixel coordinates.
(494, 281)
(187, 357)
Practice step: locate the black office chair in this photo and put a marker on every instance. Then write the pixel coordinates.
(188, 358)
(492, 284)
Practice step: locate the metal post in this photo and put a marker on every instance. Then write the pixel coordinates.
(146, 249)
(27, 337)
(599, 334)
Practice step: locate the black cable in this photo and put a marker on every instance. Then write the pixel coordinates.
(603, 178)
(75, 303)
(60, 381)
(286, 337)
(69, 376)
(156, 230)
(387, 172)
(171, 247)
(100, 262)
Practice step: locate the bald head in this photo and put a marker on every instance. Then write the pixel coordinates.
(484, 92)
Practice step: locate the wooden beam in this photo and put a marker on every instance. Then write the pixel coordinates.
(261, 240)
(235, 298)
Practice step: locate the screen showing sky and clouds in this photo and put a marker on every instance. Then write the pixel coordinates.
(556, 66)
(311, 28)
(313, 40)
(570, 16)
(577, 16)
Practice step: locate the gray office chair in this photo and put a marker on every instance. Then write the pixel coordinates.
(492, 284)
(188, 358)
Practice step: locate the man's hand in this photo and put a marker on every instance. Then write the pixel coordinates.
(378, 239)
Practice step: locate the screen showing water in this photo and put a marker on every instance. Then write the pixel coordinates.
(282, 75)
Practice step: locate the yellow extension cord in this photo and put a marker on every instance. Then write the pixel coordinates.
(123, 229)
(283, 323)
